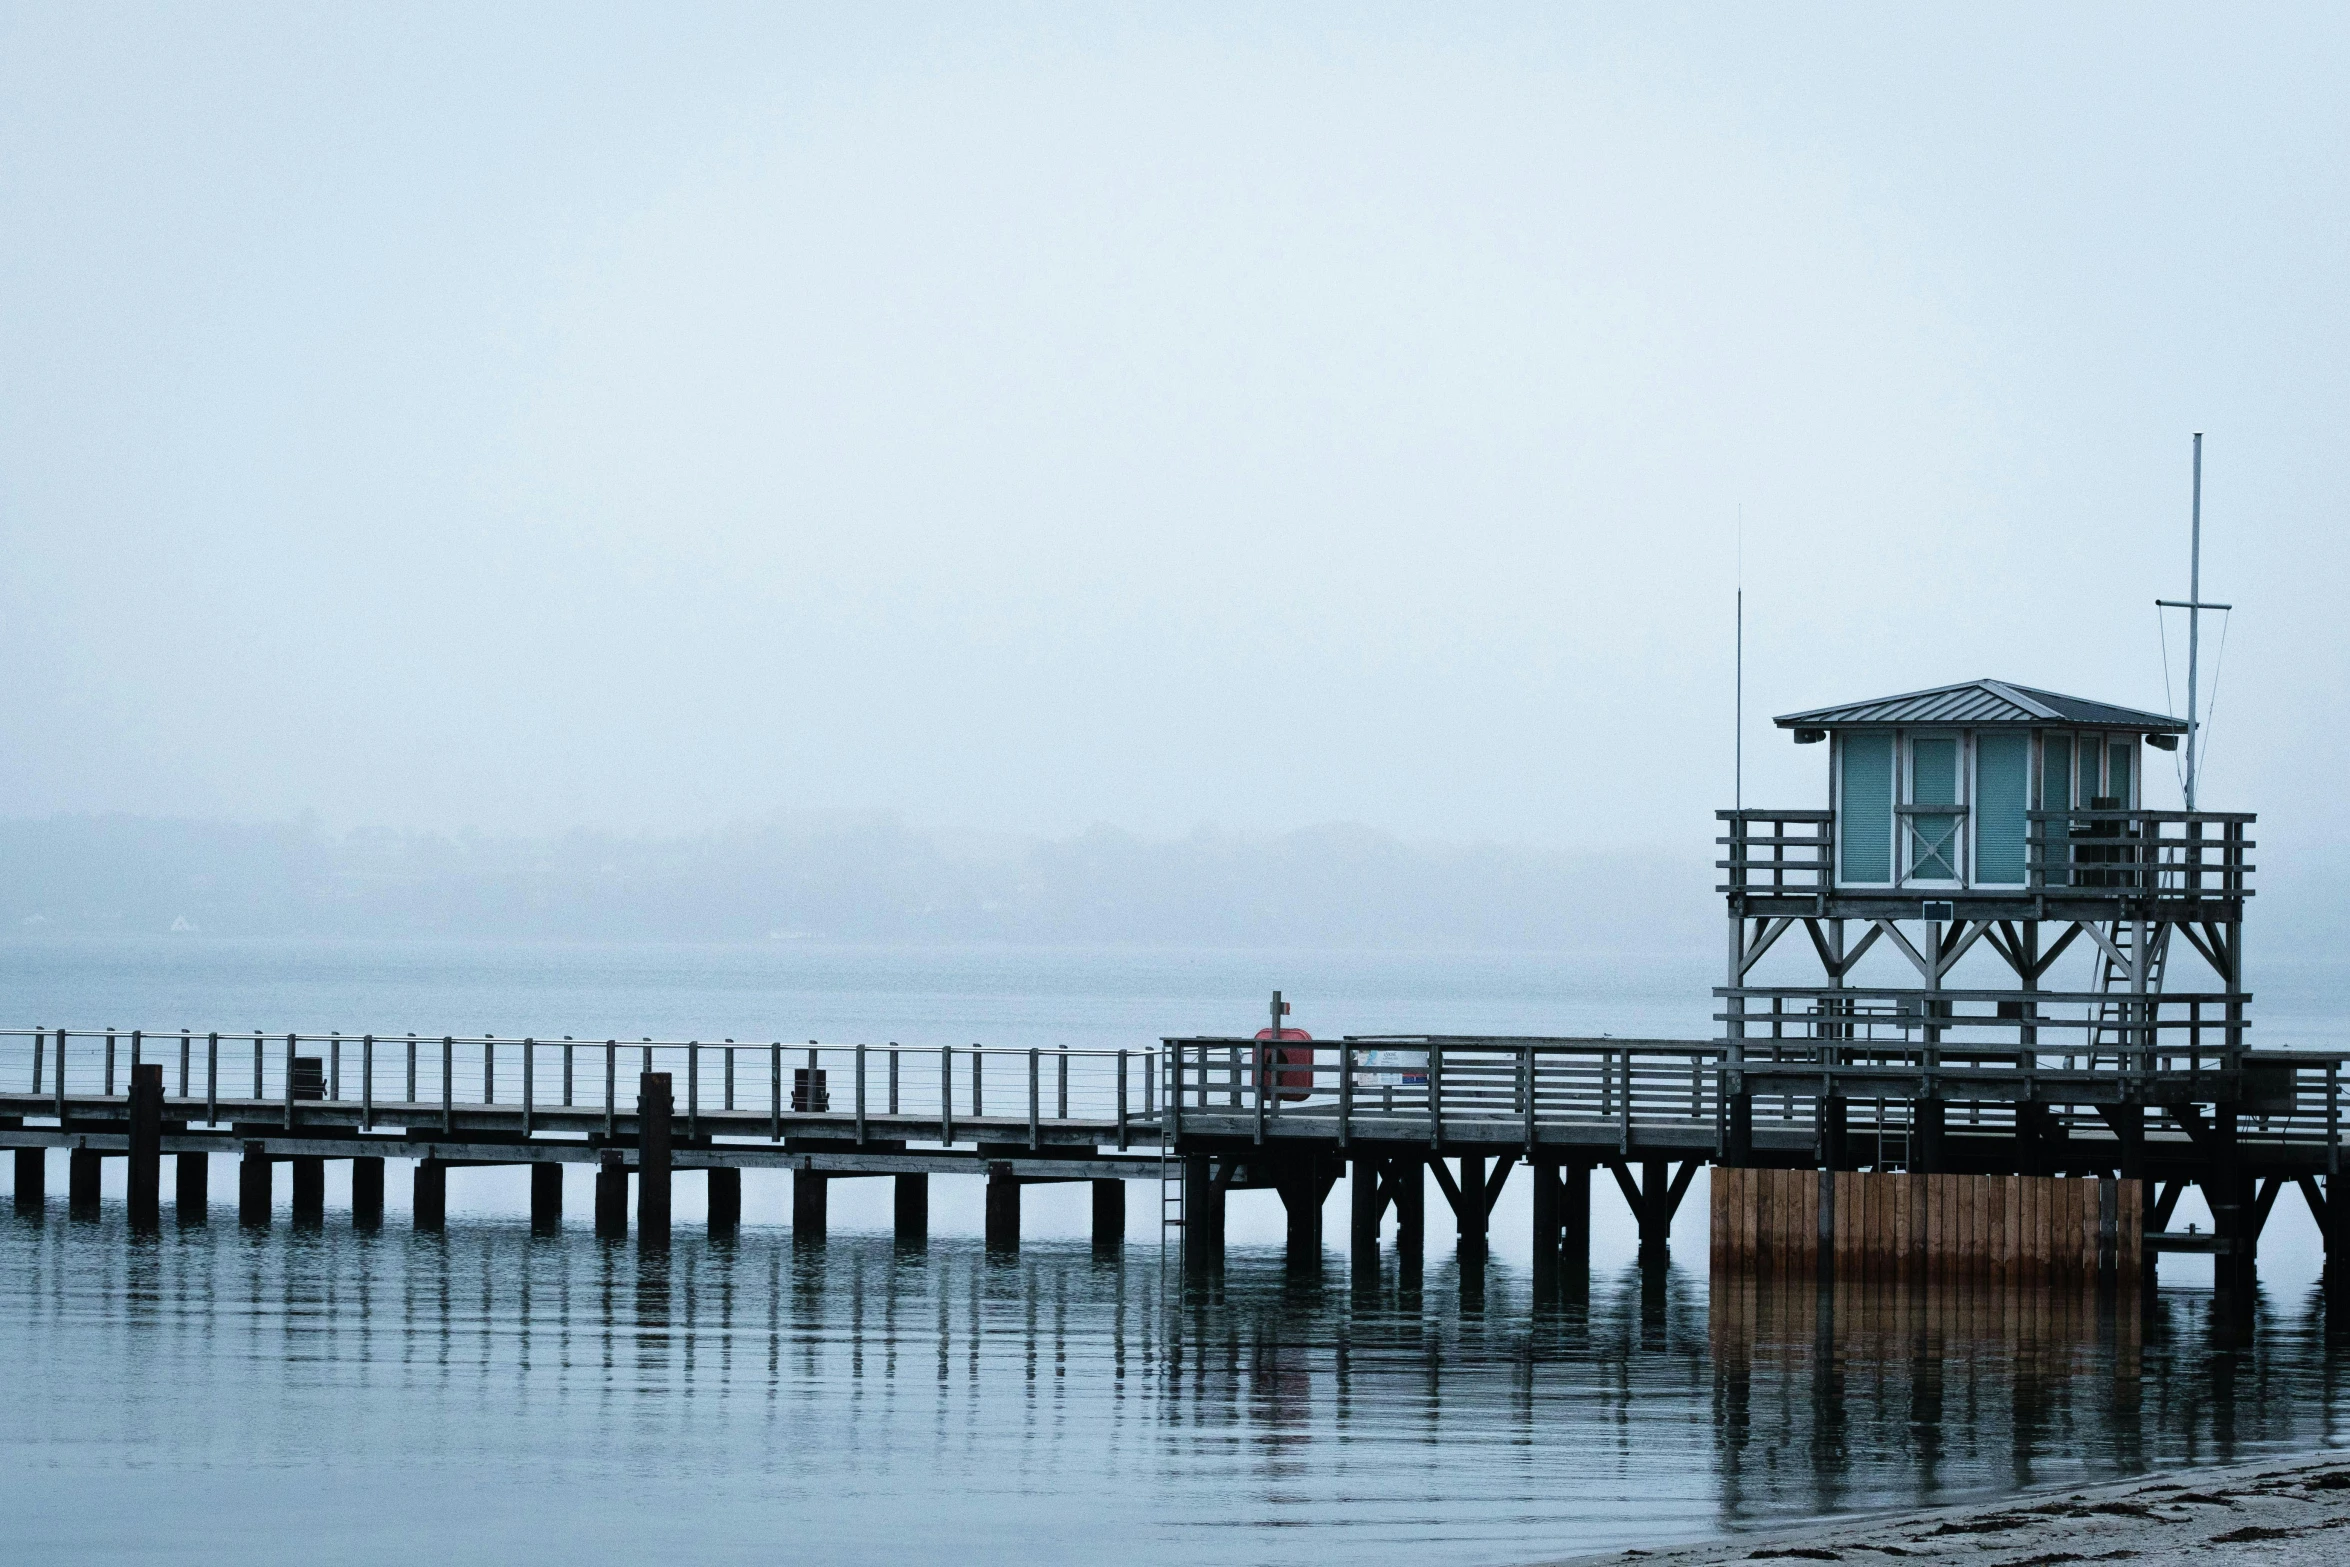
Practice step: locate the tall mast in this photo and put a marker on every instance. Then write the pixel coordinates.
(2194, 606)
(2195, 615)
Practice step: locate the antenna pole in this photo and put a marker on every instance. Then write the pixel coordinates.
(2195, 614)
(1738, 679)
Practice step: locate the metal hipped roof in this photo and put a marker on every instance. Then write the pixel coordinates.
(1978, 702)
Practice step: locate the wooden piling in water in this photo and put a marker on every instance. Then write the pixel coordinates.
(430, 1203)
(654, 1106)
(82, 1167)
(809, 1191)
(910, 1209)
(1203, 1215)
(367, 1192)
(192, 1187)
(1109, 1215)
(612, 1196)
(546, 1197)
(32, 1179)
(309, 1173)
(253, 1180)
(1003, 1208)
(726, 1201)
(145, 1186)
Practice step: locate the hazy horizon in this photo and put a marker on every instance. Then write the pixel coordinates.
(650, 421)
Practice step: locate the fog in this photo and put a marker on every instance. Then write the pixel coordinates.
(1184, 426)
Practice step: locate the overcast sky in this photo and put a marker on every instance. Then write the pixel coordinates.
(1026, 418)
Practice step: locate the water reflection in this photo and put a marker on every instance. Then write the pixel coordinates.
(879, 1401)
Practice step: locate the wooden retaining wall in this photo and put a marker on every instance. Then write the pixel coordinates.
(1926, 1229)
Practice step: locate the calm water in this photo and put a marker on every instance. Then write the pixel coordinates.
(486, 1395)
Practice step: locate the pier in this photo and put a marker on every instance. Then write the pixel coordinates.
(1951, 1131)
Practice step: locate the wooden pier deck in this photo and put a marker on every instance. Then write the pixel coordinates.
(1200, 1116)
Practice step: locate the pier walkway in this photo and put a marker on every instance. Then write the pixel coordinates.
(1200, 1116)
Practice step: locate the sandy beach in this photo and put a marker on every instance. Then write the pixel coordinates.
(2281, 1513)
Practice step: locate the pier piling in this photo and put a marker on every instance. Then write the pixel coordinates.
(1203, 1215)
(611, 1196)
(1003, 1208)
(809, 1191)
(910, 1209)
(192, 1187)
(367, 1193)
(546, 1198)
(253, 1172)
(309, 1189)
(32, 1179)
(1109, 1215)
(726, 1202)
(653, 1108)
(145, 1188)
(82, 1166)
(430, 1204)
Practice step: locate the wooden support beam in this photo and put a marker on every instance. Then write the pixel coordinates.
(253, 1182)
(191, 1187)
(144, 1191)
(309, 1172)
(1003, 1208)
(725, 1204)
(1109, 1215)
(655, 1105)
(811, 1191)
(367, 1192)
(612, 1196)
(429, 1205)
(2264, 1202)
(1203, 1215)
(82, 1169)
(546, 1197)
(32, 1179)
(910, 1209)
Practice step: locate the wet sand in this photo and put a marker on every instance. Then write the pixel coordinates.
(2280, 1513)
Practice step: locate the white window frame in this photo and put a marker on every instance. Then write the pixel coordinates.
(1962, 814)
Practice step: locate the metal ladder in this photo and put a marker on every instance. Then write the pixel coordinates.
(1171, 1216)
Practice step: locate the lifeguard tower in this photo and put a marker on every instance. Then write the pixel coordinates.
(2007, 817)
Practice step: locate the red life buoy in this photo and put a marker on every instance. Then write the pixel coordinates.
(1292, 1070)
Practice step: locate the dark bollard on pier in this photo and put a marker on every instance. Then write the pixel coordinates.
(910, 1209)
(726, 1202)
(429, 1206)
(546, 1198)
(367, 1193)
(653, 1108)
(192, 1187)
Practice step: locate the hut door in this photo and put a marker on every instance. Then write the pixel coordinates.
(1931, 847)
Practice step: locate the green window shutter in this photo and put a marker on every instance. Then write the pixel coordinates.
(2056, 794)
(2002, 772)
(2117, 774)
(1933, 780)
(1865, 809)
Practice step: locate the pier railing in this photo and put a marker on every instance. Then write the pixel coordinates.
(2077, 855)
(727, 1087)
